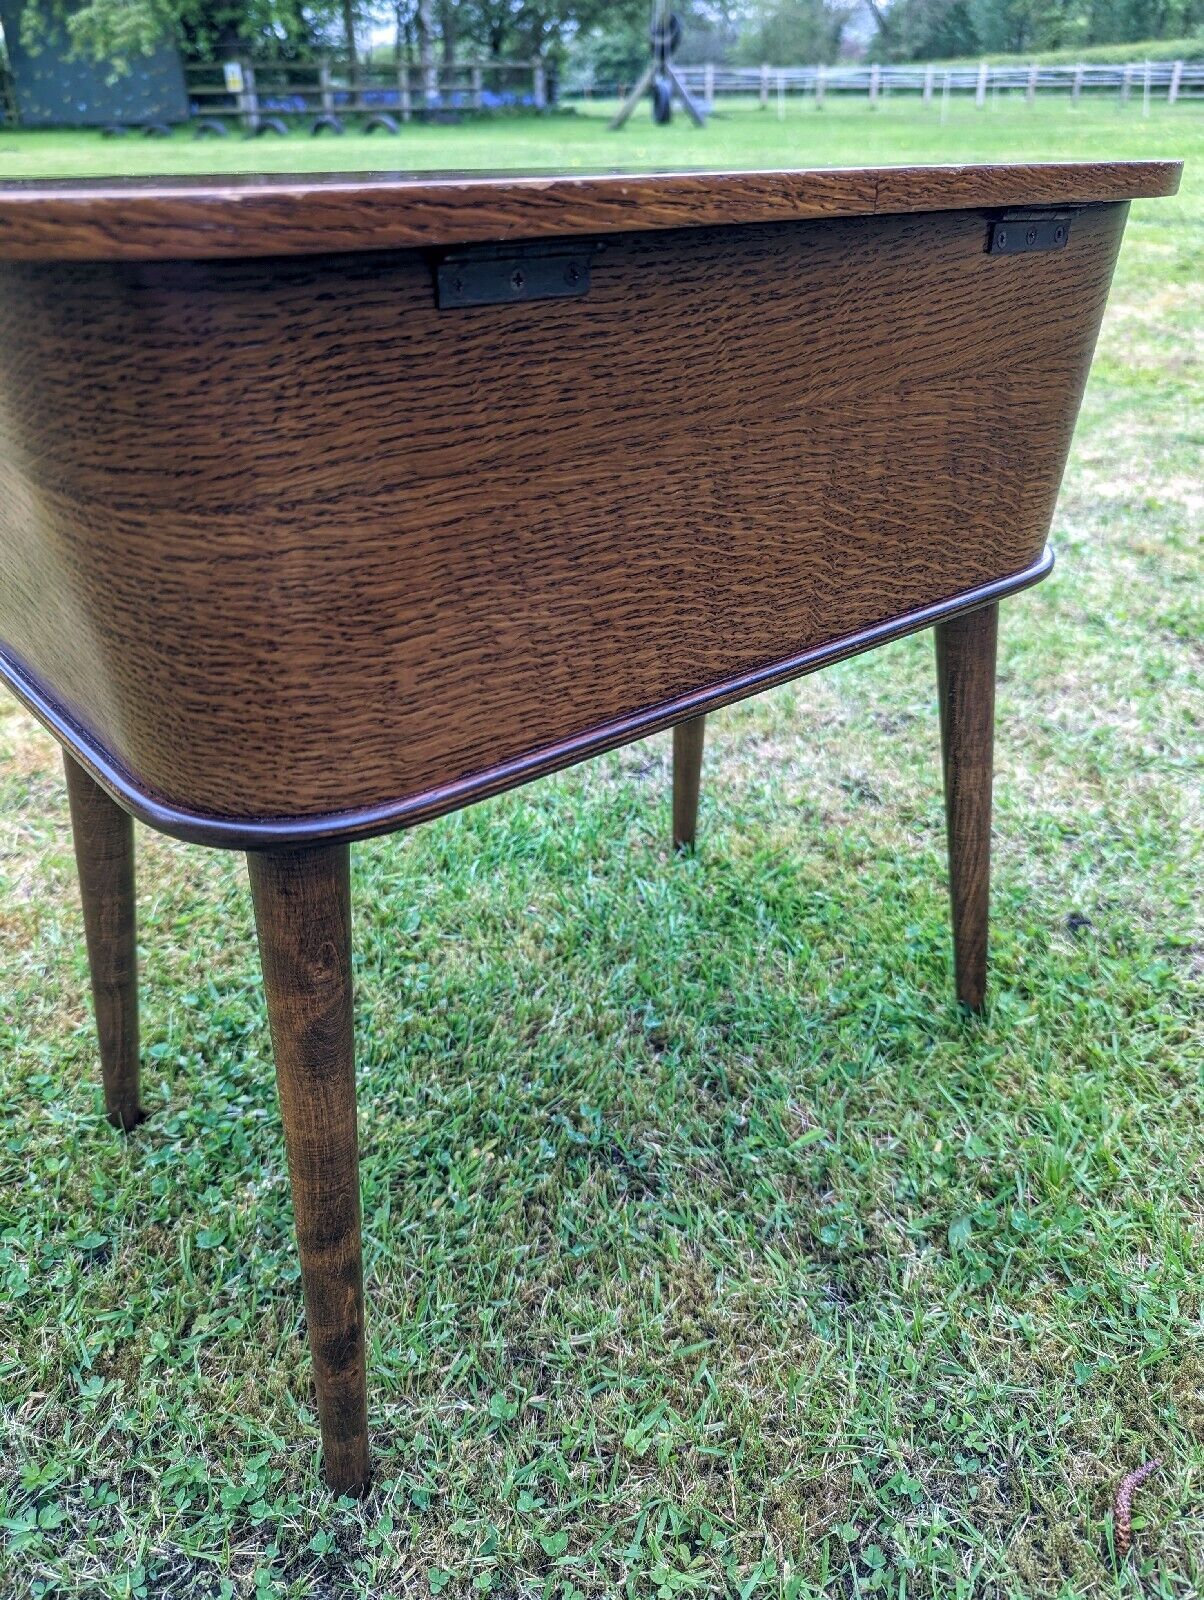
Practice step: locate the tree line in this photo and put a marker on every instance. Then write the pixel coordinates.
(926, 30)
(609, 37)
(804, 32)
(420, 31)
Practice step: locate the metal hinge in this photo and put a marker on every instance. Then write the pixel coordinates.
(510, 275)
(1026, 232)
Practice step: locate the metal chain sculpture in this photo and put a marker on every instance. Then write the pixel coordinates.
(660, 75)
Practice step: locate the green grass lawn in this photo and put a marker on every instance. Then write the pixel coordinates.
(709, 1251)
(845, 133)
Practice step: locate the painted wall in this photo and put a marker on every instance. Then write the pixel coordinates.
(53, 90)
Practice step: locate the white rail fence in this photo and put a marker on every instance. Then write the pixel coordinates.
(1136, 80)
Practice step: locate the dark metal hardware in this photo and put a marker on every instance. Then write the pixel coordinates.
(1017, 233)
(471, 278)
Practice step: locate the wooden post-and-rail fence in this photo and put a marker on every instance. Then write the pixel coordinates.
(322, 94)
(319, 95)
(932, 82)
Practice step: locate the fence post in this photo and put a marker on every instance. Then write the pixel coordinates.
(945, 97)
(1031, 92)
(875, 80)
(708, 85)
(929, 74)
(781, 96)
(324, 85)
(821, 73)
(1126, 83)
(248, 100)
(539, 85)
(980, 93)
(403, 92)
(1145, 92)
(764, 84)
(477, 78)
(1172, 94)
(1077, 87)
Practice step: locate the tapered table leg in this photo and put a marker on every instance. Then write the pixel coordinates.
(104, 855)
(687, 774)
(303, 919)
(965, 666)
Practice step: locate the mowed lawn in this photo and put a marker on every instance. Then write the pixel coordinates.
(709, 1251)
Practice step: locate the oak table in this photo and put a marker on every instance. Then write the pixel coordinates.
(330, 504)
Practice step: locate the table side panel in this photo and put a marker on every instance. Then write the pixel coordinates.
(285, 539)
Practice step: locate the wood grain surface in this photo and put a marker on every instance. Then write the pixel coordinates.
(361, 822)
(284, 540)
(303, 921)
(688, 740)
(194, 218)
(104, 855)
(965, 667)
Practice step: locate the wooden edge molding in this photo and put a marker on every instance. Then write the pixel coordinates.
(286, 214)
(261, 833)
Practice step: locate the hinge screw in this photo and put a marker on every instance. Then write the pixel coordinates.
(516, 279)
(1001, 238)
(1032, 236)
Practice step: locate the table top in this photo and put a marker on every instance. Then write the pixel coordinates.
(147, 219)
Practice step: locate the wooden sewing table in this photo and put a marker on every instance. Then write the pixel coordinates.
(330, 504)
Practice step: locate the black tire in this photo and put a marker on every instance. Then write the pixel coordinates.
(270, 125)
(114, 131)
(156, 130)
(211, 128)
(381, 119)
(665, 39)
(326, 123)
(662, 102)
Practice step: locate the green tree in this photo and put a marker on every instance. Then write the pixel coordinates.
(793, 31)
(929, 29)
(121, 30)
